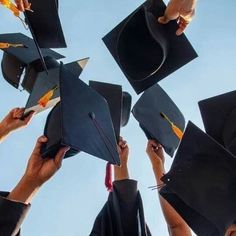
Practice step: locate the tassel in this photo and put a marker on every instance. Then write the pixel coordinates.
(8, 45)
(108, 178)
(177, 131)
(12, 7)
(43, 101)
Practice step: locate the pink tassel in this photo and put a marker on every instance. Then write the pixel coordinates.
(108, 178)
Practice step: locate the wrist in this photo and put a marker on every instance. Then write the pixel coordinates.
(24, 191)
(31, 181)
(4, 130)
(159, 171)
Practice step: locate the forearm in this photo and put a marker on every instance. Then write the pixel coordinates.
(4, 132)
(121, 173)
(24, 191)
(176, 224)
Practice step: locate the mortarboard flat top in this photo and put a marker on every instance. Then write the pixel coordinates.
(84, 119)
(45, 82)
(113, 95)
(146, 50)
(219, 115)
(44, 24)
(202, 176)
(16, 59)
(147, 112)
(119, 103)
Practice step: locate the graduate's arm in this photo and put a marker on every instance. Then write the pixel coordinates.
(122, 172)
(13, 121)
(38, 171)
(16, 204)
(176, 225)
(181, 10)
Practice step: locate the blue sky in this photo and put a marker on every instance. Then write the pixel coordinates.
(69, 203)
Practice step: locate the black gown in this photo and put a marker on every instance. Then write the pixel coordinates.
(122, 214)
(12, 214)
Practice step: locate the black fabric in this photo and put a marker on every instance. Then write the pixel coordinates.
(147, 111)
(45, 25)
(203, 179)
(21, 58)
(119, 103)
(126, 108)
(145, 50)
(12, 215)
(119, 216)
(219, 115)
(39, 82)
(81, 121)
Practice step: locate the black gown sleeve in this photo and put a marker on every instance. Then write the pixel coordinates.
(12, 214)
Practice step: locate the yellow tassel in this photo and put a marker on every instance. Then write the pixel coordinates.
(12, 7)
(43, 101)
(8, 45)
(177, 131)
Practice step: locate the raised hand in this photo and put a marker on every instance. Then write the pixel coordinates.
(13, 121)
(181, 10)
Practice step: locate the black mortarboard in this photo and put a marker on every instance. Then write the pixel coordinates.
(219, 116)
(119, 103)
(146, 50)
(44, 24)
(155, 111)
(201, 178)
(81, 120)
(15, 60)
(44, 82)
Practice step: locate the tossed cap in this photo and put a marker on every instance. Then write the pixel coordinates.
(219, 116)
(45, 91)
(201, 178)
(80, 120)
(119, 103)
(160, 118)
(146, 50)
(16, 59)
(44, 24)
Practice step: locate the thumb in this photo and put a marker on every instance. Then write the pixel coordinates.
(28, 118)
(163, 20)
(60, 155)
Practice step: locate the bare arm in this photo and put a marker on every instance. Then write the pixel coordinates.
(121, 172)
(13, 121)
(176, 225)
(38, 171)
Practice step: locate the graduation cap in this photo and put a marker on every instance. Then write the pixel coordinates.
(119, 103)
(45, 92)
(80, 120)
(219, 116)
(44, 24)
(17, 59)
(201, 178)
(160, 118)
(146, 50)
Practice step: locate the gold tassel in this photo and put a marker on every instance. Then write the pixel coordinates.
(43, 101)
(177, 131)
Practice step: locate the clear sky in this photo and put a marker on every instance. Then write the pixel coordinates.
(69, 203)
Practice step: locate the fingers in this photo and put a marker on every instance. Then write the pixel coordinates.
(28, 118)
(26, 4)
(60, 155)
(41, 140)
(172, 11)
(122, 143)
(20, 5)
(17, 113)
